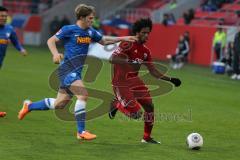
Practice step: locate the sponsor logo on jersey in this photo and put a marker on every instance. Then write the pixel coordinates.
(83, 40)
(90, 33)
(3, 41)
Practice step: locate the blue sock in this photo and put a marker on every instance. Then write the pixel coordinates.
(80, 115)
(40, 105)
(80, 118)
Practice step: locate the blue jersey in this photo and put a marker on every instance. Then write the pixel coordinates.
(7, 34)
(77, 40)
(76, 43)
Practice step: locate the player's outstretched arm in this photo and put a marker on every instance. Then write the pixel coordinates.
(154, 72)
(111, 40)
(16, 43)
(57, 57)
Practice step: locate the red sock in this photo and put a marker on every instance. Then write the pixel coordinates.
(148, 124)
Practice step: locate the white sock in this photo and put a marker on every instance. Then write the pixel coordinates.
(79, 106)
(50, 102)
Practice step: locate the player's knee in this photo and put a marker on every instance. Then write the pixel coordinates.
(83, 93)
(60, 105)
(82, 97)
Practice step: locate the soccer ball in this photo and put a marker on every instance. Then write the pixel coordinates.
(194, 141)
(169, 56)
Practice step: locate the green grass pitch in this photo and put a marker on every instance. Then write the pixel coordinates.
(205, 103)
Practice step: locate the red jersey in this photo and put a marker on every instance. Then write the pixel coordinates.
(127, 74)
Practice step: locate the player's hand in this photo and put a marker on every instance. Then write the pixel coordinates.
(130, 38)
(175, 81)
(24, 52)
(57, 58)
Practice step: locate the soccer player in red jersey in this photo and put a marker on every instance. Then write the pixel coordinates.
(130, 91)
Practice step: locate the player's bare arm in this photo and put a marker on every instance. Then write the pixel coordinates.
(157, 74)
(106, 40)
(57, 57)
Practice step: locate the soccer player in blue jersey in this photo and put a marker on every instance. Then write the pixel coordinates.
(76, 39)
(7, 34)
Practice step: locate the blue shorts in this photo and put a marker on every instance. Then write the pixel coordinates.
(68, 79)
(69, 71)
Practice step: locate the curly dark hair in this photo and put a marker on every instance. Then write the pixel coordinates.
(3, 9)
(140, 24)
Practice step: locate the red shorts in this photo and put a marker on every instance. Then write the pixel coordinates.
(132, 98)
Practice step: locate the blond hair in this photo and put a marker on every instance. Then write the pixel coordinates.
(83, 10)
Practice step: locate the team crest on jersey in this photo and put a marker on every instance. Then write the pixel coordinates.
(73, 74)
(7, 35)
(90, 33)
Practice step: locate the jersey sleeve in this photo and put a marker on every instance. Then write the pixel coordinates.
(15, 41)
(124, 48)
(63, 33)
(96, 36)
(122, 52)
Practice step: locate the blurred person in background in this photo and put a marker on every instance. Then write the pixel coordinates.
(54, 25)
(219, 42)
(65, 21)
(236, 57)
(228, 58)
(188, 16)
(168, 19)
(173, 4)
(182, 51)
(191, 14)
(9, 19)
(186, 35)
(7, 34)
(96, 23)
